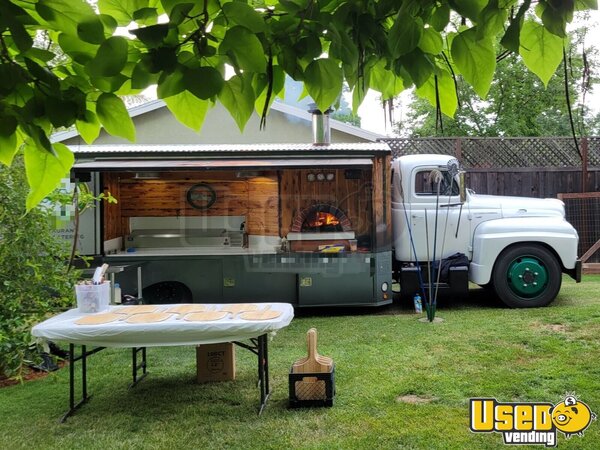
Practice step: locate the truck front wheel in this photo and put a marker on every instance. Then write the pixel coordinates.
(527, 276)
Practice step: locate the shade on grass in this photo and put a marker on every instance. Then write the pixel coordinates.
(482, 349)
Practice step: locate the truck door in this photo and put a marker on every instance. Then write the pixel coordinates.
(453, 226)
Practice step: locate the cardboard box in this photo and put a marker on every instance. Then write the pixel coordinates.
(215, 362)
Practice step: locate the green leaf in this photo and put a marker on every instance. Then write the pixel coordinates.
(89, 128)
(188, 109)
(440, 17)
(418, 66)
(60, 113)
(79, 51)
(170, 84)
(260, 84)
(385, 81)
(541, 50)
(492, 19)
(239, 13)
(245, 49)
(45, 170)
(468, 8)
(152, 36)
(582, 5)
(141, 77)
(446, 92)
(431, 42)
(110, 24)
(238, 97)
(323, 80)
(42, 74)
(555, 15)
(15, 18)
(121, 10)
(8, 139)
(405, 34)
(91, 30)
(109, 84)
(145, 16)
(343, 47)
(114, 116)
(39, 54)
(110, 58)
(203, 82)
(65, 15)
(475, 59)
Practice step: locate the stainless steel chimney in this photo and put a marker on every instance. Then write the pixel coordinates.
(320, 125)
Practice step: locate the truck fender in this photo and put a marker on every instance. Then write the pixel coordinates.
(490, 238)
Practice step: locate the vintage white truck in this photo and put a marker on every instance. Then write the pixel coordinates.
(314, 225)
(518, 246)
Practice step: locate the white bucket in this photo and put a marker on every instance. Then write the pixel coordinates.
(93, 298)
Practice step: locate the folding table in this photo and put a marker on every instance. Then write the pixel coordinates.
(171, 332)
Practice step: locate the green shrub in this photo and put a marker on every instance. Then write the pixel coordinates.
(34, 278)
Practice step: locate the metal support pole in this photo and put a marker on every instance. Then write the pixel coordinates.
(71, 379)
(263, 372)
(139, 281)
(135, 367)
(84, 372)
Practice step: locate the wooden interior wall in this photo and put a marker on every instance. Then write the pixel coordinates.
(113, 223)
(255, 198)
(351, 196)
(262, 216)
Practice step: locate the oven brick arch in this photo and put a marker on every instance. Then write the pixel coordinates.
(321, 207)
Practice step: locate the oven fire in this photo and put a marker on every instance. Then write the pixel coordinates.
(321, 221)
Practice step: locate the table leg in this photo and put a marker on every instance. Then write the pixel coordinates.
(84, 393)
(259, 348)
(135, 367)
(263, 372)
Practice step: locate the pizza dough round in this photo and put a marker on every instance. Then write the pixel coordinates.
(206, 316)
(236, 308)
(98, 319)
(135, 309)
(260, 315)
(186, 309)
(148, 317)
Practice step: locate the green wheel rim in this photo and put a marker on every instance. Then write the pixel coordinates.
(527, 277)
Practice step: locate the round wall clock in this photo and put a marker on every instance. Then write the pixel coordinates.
(201, 196)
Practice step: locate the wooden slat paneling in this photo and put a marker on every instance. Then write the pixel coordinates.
(255, 198)
(112, 211)
(141, 198)
(263, 208)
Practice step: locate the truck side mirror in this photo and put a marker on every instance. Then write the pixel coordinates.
(462, 187)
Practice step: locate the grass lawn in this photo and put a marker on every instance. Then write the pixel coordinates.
(480, 350)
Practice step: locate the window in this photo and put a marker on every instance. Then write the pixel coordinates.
(426, 183)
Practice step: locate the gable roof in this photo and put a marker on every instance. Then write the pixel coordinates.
(276, 106)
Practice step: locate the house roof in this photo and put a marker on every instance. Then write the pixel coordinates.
(276, 106)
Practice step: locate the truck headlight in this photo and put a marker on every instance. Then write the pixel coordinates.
(384, 286)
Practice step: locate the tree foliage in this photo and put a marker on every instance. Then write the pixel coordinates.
(184, 48)
(34, 280)
(519, 103)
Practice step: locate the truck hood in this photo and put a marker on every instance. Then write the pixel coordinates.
(517, 206)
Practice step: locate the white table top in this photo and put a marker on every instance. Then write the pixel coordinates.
(173, 331)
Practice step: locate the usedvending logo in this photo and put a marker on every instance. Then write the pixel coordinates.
(530, 423)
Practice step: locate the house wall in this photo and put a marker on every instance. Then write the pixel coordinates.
(160, 127)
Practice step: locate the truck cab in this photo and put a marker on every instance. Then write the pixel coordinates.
(518, 246)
